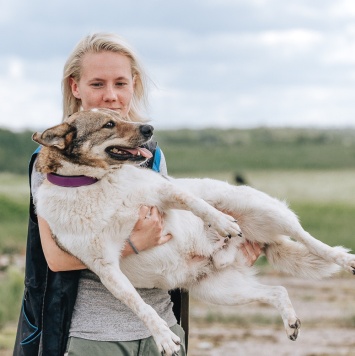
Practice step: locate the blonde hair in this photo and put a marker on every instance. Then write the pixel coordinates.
(100, 42)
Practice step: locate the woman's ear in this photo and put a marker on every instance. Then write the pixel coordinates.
(74, 87)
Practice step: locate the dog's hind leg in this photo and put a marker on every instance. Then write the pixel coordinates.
(263, 218)
(230, 287)
(336, 255)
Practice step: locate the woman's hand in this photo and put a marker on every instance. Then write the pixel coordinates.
(251, 251)
(147, 232)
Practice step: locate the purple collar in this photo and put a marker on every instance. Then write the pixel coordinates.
(70, 181)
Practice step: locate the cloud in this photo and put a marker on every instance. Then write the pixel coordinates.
(30, 93)
(214, 62)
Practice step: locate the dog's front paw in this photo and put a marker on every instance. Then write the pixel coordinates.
(344, 259)
(226, 225)
(168, 343)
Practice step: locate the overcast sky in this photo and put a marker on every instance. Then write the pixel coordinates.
(215, 63)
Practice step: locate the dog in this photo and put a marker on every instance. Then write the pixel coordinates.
(208, 219)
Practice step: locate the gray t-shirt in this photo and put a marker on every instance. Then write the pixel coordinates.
(98, 315)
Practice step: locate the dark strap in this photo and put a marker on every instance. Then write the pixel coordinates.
(184, 318)
(180, 298)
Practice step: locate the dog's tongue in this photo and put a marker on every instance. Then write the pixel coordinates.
(143, 151)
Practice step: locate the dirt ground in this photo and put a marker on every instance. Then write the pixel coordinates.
(326, 310)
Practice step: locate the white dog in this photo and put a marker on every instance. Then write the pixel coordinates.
(94, 222)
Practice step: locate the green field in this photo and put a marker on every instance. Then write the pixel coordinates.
(312, 170)
(323, 199)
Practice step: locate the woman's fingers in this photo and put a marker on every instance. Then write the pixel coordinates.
(251, 251)
(144, 211)
(165, 239)
(147, 232)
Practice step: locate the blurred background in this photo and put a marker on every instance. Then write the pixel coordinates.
(248, 91)
(217, 63)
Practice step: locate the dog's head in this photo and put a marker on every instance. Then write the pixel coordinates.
(91, 140)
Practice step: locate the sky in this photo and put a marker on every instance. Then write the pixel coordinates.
(214, 63)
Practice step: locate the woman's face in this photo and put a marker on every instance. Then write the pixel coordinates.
(106, 82)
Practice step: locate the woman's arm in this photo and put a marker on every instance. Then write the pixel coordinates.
(146, 234)
(57, 259)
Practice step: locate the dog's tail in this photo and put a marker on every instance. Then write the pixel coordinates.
(294, 258)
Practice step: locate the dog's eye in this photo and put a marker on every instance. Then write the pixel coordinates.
(109, 125)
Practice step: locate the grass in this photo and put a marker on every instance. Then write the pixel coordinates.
(246, 322)
(270, 156)
(323, 199)
(14, 198)
(13, 224)
(11, 289)
(14, 186)
(331, 223)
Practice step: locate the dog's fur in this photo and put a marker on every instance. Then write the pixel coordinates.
(94, 222)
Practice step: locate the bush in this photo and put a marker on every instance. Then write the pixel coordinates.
(13, 225)
(11, 291)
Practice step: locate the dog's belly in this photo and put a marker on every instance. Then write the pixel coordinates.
(182, 261)
(183, 272)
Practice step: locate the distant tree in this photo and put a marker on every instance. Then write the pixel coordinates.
(15, 151)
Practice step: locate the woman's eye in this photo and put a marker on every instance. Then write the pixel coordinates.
(96, 85)
(120, 84)
(109, 125)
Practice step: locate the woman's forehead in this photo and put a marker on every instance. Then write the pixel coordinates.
(106, 64)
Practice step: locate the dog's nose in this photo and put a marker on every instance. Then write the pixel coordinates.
(146, 130)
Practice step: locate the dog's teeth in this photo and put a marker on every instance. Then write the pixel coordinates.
(138, 154)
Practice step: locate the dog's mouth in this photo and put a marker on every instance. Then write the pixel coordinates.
(128, 154)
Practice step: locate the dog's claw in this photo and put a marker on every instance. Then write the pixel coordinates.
(229, 236)
(296, 326)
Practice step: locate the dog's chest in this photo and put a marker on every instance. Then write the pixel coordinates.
(90, 207)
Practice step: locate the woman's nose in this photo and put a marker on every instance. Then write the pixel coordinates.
(110, 94)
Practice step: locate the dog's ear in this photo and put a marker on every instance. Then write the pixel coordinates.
(58, 136)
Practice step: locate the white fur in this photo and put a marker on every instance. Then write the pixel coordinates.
(94, 222)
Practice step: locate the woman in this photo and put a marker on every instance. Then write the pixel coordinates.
(63, 298)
